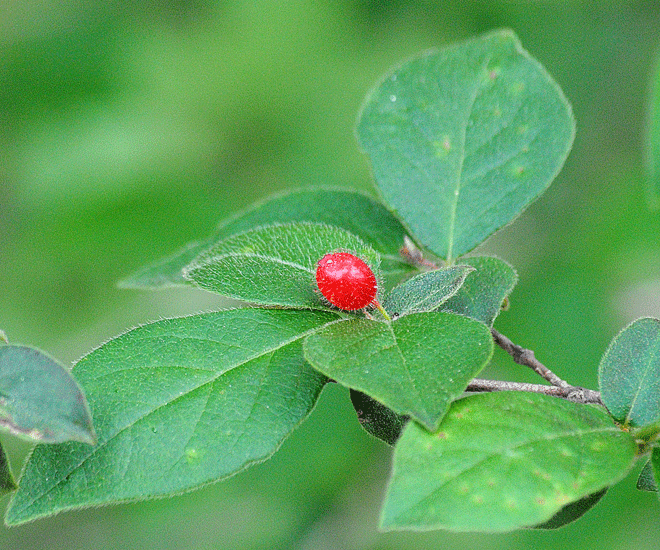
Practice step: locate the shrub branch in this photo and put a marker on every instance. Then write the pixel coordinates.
(571, 393)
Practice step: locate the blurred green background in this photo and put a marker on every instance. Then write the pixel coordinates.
(129, 128)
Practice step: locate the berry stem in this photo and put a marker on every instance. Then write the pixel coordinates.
(381, 309)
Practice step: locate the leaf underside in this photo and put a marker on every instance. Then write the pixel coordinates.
(39, 399)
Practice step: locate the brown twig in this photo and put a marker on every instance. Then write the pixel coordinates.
(526, 357)
(571, 393)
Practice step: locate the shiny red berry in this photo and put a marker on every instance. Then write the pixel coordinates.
(346, 281)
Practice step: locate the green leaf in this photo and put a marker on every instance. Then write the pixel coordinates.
(178, 404)
(629, 374)
(484, 290)
(655, 463)
(501, 461)
(7, 483)
(646, 479)
(462, 139)
(376, 418)
(40, 400)
(416, 365)
(275, 264)
(653, 141)
(573, 511)
(426, 291)
(349, 210)
(165, 272)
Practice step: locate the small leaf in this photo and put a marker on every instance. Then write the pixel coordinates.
(275, 264)
(462, 139)
(416, 365)
(376, 418)
(40, 400)
(178, 404)
(629, 374)
(573, 511)
(7, 483)
(484, 290)
(349, 210)
(501, 461)
(426, 291)
(646, 479)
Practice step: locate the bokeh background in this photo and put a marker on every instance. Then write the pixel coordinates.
(129, 128)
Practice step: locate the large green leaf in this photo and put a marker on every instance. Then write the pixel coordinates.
(274, 264)
(350, 210)
(462, 139)
(416, 365)
(40, 400)
(177, 404)
(484, 290)
(501, 461)
(426, 291)
(629, 374)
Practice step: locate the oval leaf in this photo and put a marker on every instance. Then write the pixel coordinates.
(275, 264)
(416, 365)
(357, 213)
(501, 461)
(426, 291)
(40, 400)
(629, 374)
(484, 290)
(461, 140)
(178, 403)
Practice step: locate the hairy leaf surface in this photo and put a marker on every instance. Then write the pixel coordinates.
(177, 404)
(275, 264)
(357, 213)
(629, 374)
(416, 365)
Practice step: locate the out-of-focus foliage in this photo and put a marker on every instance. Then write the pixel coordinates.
(128, 129)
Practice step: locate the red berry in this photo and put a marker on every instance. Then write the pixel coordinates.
(346, 281)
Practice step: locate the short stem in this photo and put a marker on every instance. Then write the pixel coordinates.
(526, 357)
(381, 309)
(571, 393)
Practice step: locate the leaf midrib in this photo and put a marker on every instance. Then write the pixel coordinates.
(459, 176)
